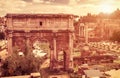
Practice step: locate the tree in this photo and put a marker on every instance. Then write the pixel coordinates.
(88, 18)
(116, 36)
(20, 64)
(116, 14)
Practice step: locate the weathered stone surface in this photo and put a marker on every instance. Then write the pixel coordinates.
(56, 29)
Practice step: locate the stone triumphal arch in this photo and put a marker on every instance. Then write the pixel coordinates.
(56, 29)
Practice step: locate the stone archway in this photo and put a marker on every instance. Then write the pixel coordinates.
(38, 26)
(55, 42)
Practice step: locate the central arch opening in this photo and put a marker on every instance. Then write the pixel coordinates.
(41, 48)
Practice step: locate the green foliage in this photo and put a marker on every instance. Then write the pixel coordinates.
(88, 18)
(116, 36)
(20, 65)
(116, 14)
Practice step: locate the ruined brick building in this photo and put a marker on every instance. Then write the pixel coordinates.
(56, 29)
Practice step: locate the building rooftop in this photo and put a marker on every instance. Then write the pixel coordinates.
(41, 15)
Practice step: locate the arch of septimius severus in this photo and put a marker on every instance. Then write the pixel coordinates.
(56, 29)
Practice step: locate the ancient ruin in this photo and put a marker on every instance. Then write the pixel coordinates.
(23, 30)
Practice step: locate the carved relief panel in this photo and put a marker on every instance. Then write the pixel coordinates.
(19, 43)
(19, 22)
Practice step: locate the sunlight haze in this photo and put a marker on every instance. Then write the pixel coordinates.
(77, 7)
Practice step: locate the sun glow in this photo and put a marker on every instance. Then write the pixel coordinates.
(106, 8)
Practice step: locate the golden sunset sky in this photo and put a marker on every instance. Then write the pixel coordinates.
(77, 7)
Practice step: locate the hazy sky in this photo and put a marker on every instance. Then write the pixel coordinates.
(77, 7)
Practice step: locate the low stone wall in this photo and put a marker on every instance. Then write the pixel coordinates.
(32, 75)
(25, 76)
(59, 76)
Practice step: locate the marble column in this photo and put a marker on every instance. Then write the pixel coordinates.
(70, 50)
(27, 41)
(55, 50)
(9, 43)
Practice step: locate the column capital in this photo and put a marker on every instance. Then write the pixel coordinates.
(27, 35)
(27, 31)
(10, 34)
(54, 35)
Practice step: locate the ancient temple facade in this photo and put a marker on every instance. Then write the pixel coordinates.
(23, 30)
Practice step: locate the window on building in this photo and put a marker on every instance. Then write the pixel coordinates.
(40, 23)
